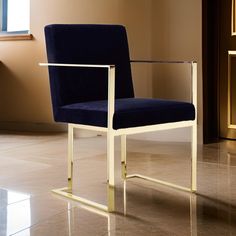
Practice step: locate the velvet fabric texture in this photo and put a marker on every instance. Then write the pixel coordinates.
(87, 44)
(129, 112)
(79, 95)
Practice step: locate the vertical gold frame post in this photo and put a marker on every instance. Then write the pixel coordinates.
(123, 156)
(194, 129)
(70, 156)
(111, 140)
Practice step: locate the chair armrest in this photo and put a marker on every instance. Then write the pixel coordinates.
(193, 76)
(111, 86)
(76, 65)
(162, 61)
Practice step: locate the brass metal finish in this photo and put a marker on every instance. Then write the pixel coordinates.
(111, 134)
(158, 181)
(68, 191)
(65, 192)
(123, 156)
(193, 144)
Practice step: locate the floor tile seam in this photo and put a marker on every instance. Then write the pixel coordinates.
(26, 145)
(83, 158)
(32, 196)
(56, 138)
(216, 200)
(13, 178)
(28, 160)
(212, 163)
(41, 221)
(19, 231)
(17, 202)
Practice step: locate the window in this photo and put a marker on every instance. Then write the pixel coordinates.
(15, 16)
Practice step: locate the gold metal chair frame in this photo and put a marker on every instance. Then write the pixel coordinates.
(111, 134)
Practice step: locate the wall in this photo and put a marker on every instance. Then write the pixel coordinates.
(177, 35)
(158, 29)
(24, 85)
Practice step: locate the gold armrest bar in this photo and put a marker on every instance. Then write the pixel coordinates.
(193, 77)
(77, 65)
(162, 61)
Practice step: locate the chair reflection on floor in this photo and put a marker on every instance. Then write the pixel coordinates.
(192, 209)
(117, 223)
(111, 222)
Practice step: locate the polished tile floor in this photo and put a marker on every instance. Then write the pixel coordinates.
(33, 164)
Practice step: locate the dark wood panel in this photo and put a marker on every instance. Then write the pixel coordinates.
(210, 32)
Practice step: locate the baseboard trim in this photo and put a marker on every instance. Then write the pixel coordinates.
(33, 127)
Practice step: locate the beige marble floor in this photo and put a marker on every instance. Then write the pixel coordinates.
(33, 164)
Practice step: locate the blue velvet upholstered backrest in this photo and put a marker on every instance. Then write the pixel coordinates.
(87, 44)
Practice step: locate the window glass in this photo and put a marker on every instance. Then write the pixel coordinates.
(18, 15)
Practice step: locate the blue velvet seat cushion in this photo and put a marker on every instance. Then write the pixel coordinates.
(129, 112)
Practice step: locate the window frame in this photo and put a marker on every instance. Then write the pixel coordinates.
(4, 15)
(13, 35)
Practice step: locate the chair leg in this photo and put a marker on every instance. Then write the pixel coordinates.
(123, 156)
(67, 191)
(193, 165)
(111, 171)
(194, 159)
(70, 156)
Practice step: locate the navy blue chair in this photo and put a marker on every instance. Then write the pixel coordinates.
(91, 88)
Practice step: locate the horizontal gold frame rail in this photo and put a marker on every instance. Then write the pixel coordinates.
(152, 128)
(76, 65)
(162, 61)
(159, 182)
(64, 192)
